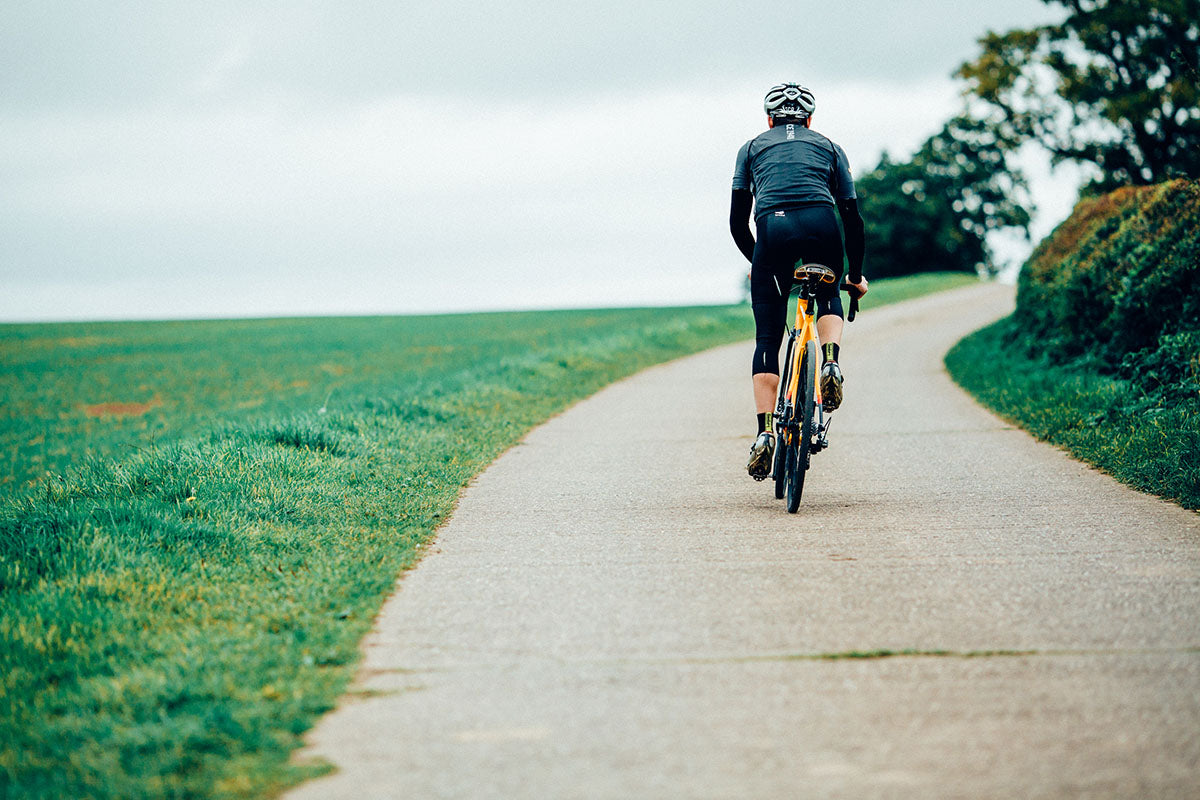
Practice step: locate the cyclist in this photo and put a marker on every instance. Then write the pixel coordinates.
(794, 177)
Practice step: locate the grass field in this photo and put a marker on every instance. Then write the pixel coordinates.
(1105, 421)
(111, 389)
(201, 519)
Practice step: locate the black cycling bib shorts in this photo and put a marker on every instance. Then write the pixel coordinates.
(808, 235)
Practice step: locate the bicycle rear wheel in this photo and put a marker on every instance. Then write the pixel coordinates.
(806, 408)
(780, 466)
(779, 473)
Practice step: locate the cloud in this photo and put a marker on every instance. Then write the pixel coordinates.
(280, 158)
(224, 69)
(630, 187)
(97, 54)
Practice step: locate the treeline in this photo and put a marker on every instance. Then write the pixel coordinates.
(1114, 86)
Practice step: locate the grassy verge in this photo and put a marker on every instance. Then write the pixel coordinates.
(1107, 422)
(893, 290)
(175, 618)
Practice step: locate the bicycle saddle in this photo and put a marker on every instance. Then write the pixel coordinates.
(815, 272)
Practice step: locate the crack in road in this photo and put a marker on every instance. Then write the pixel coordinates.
(841, 655)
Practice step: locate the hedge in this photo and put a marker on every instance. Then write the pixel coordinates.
(1116, 288)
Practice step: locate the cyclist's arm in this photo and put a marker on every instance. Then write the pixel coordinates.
(852, 224)
(739, 222)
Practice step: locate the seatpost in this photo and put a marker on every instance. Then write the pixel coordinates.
(810, 296)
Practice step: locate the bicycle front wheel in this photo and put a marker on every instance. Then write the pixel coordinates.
(806, 409)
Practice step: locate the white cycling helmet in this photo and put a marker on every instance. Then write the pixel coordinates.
(789, 101)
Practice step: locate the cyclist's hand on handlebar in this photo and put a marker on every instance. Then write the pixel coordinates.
(857, 289)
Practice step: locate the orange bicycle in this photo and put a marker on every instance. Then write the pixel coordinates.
(801, 424)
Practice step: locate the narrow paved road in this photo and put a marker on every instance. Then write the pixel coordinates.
(616, 610)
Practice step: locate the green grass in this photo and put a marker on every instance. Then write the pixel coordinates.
(110, 389)
(893, 290)
(1107, 422)
(185, 592)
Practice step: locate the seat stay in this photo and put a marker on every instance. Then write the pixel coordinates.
(805, 329)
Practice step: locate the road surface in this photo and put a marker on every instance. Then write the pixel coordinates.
(616, 610)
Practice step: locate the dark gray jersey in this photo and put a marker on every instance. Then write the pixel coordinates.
(791, 166)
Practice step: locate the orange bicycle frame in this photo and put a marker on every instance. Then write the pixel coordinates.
(806, 327)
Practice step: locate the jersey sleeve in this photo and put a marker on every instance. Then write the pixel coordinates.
(842, 184)
(741, 171)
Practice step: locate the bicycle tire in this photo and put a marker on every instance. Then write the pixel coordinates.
(806, 408)
(779, 468)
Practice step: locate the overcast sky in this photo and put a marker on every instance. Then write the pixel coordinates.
(163, 159)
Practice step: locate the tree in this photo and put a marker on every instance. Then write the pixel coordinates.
(1116, 84)
(934, 211)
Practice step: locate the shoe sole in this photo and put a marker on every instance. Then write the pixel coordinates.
(759, 465)
(831, 394)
